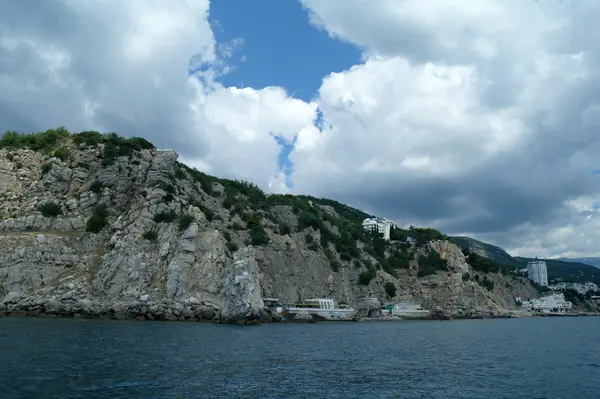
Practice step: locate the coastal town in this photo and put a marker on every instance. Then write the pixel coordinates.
(551, 301)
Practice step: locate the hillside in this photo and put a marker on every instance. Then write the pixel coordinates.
(484, 249)
(565, 270)
(102, 225)
(592, 261)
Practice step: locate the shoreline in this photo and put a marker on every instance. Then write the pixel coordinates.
(274, 318)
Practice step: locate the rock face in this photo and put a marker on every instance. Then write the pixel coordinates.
(241, 295)
(139, 235)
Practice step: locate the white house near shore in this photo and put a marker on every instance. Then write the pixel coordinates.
(553, 303)
(381, 225)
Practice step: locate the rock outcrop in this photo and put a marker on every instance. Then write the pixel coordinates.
(116, 228)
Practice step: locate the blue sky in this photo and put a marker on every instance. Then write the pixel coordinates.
(281, 47)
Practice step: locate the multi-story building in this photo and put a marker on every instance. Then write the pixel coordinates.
(383, 226)
(537, 272)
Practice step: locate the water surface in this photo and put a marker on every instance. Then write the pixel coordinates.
(517, 358)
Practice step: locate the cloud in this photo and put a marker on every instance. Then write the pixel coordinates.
(473, 118)
(125, 67)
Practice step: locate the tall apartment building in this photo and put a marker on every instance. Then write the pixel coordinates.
(537, 272)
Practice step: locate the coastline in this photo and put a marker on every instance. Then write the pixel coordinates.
(140, 312)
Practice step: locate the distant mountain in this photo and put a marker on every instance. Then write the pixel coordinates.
(588, 261)
(484, 249)
(567, 271)
(572, 270)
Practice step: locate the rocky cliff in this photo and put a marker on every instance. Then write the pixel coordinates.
(101, 225)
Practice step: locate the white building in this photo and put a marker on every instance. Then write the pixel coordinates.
(324, 307)
(383, 226)
(558, 287)
(537, 272)
(321, 303)
(553, 303)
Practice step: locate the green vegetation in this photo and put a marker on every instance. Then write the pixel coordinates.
(231, 246)
(308, 238)
(180, 173)
(487, 283)
(96, 187)
(258, 235)
(227, 235)
(50, 209)
(495, 253)
(424, 235)
(62, 153)
(284, 229)
(185, 221)
(98, 220)
(574, 297)
(48, 141)
(431, 264)
(366, 277)
(43, 142)
(209, 213)
(117, 146)
(47, 167)
(483, 264)
(566, 271)
(151, 235)
(390, 289)
(165, 217)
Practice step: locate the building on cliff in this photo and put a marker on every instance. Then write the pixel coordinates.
(380, 225)
(537, 272)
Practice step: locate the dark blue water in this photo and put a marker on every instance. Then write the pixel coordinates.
(518, 358)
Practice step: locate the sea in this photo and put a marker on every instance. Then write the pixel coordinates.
(533, 358)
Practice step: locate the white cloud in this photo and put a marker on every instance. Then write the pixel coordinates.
(123, 66)
(470, 116)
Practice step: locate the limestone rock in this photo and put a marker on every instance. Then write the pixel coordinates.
(241, 296)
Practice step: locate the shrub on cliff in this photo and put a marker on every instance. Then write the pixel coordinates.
(231, 246)
(365, 277)
(431, 264)
(96, 187)
(390, 289)
(89, 138)
(425, 235)
(165, 217)
(50, 209)
(47, 167)
(45, 141)
(209, 213)
(97, 221)
(258, 235)
(284, 229)
(62, 153)
(185, 221)
(151, 235)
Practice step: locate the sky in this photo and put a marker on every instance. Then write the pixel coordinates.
(476, 118)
